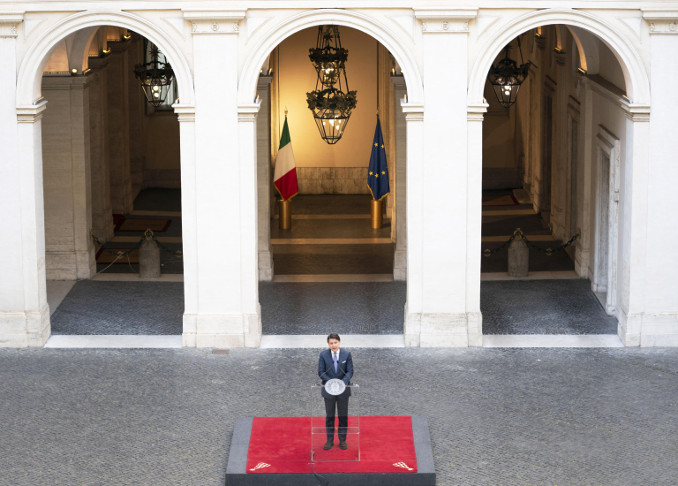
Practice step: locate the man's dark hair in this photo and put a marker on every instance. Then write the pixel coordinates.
(334, 335)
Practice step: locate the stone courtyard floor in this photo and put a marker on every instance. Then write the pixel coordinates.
(496, 416)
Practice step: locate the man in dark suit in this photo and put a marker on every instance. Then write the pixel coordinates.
(335, 363)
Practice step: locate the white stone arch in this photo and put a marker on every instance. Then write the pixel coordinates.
(29, 109)
(630, 60)
(398, 41)
(265, 40)
(637, 111)
(29, 78)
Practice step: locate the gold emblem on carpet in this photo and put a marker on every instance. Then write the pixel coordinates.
(261, 465)
(403, 466)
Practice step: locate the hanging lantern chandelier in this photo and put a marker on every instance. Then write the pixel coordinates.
(331, 102)
(155, 76)
(506, 77)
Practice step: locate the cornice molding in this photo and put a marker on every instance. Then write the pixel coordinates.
(248, 112)
(9, 23)
(413, 112)
(439, 21)
(661, 21)
(31, 113)
(214, 21)
(476, 112)
(185, 113)
(636, 113)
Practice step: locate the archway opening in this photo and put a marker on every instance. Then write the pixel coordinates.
(551, 168)
(111, 171)
(331, 264)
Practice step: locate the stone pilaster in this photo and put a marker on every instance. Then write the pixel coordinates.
(24, 314)
(102, 212)
(189, 221)
(247, 135)
(117, 71)
(650, 294)
(227, 300)
(444, 316)
(66, 167)
(634, 280)
(137, 118)
(264, 178)
(399, 230)
(414, 117)
(474, 210)
(29, 324)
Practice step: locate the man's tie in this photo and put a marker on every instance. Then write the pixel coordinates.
(335, 361)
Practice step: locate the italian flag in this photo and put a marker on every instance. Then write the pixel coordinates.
(285, 172)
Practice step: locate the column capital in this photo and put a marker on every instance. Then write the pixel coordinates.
(248, 112)
(66, 82)
(437, 21)
(9, 23)
(636, 113)
(185, 113)
(476, 112)
(214, 21)
(264, 81)
(398, 80)
(31, 113)
(413, 112)
(661, 21)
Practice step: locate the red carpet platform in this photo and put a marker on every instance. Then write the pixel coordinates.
(277, 451)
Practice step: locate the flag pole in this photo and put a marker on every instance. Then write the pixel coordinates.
(376, 207)
(285, 207)
(376, 214)
(285, 220)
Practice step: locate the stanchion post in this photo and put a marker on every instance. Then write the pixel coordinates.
(376, 214)
(285, 220)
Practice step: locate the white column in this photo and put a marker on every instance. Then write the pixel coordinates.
(264, 177)
(24, 314)
(249, 274)
(660, 286)
(32, 224)
(474, 213)
(189, 217)
(633, 227)
(444, 316)
(400, 255)
(220, 318)
(414, 116)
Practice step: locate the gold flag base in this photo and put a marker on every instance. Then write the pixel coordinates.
(376, 214)
(285, 220)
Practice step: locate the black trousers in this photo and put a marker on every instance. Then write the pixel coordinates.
(340, 403)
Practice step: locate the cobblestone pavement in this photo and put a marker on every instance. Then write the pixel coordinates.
(497, 416)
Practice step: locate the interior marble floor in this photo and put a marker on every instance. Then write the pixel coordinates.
(332, 235)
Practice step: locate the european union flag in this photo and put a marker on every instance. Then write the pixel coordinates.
(377, 176)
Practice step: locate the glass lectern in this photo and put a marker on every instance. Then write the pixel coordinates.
(321, 428)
